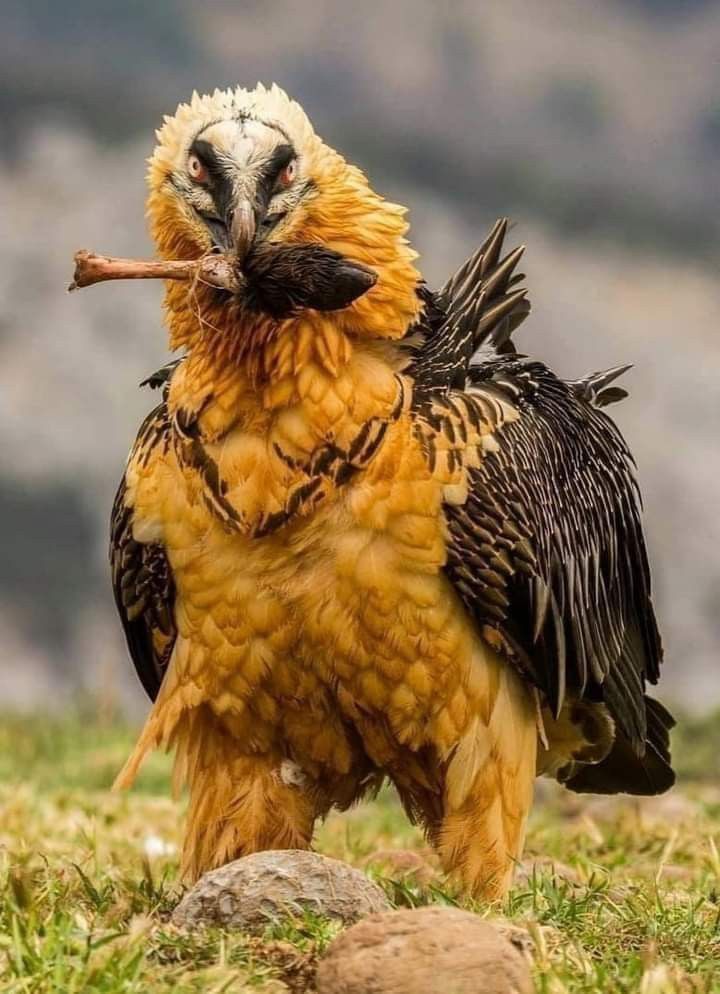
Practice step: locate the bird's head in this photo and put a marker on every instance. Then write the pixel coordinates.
(237, 168)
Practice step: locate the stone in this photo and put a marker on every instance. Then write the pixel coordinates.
(517, 935)
(406, 865)
(250, 893)
(434, 950)
(544, 866)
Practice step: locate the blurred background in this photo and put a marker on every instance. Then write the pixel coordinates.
(595, 126)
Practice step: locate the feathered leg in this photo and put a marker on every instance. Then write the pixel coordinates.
(489, 787)
(239, 802)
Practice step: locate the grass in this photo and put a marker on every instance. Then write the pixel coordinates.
(616, 895)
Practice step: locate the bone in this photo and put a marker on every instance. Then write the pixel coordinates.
(217, 270)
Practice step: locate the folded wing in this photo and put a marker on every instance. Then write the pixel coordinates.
(547, 551)
(141, 575)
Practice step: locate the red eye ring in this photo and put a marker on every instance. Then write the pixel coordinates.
(196, 169)
(288, 174)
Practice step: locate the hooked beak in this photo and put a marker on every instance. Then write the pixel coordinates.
(242, 229)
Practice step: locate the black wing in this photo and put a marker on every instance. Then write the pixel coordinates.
(141, 576)
(478, 309)
(548, 550)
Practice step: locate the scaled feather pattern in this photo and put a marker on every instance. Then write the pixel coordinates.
(361, 537)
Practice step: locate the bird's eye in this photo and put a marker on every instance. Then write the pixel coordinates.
(197, 169)
(288, 174)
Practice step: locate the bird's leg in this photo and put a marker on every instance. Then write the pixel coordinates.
(240, 803)
(482, 833)
(480, 845)
(248, 806)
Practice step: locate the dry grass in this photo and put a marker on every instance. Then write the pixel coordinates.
(616, 895)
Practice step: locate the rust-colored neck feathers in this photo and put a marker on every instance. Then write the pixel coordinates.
(340, 212)
(222, 333)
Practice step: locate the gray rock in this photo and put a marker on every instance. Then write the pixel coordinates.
(251, 892)
(424, 951)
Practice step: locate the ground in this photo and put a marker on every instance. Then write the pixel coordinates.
(624, 895)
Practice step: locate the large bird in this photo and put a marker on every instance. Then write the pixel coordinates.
(361, 537)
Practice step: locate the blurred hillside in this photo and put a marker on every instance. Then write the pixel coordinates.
(596, 126)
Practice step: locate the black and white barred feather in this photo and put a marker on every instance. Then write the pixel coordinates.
(547, 551)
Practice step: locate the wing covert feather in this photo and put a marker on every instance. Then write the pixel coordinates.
(141, 576)
(557, 500)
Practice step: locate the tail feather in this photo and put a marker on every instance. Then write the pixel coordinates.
(623, 771)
